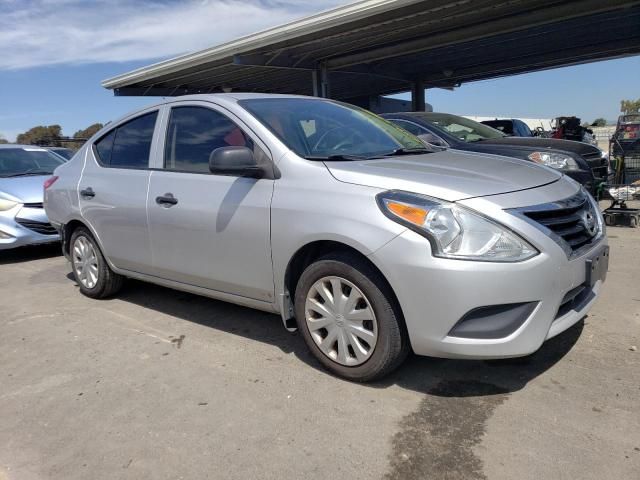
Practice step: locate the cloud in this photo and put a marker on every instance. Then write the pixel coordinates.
(48, 32)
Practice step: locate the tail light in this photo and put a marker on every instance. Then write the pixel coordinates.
(50, 181)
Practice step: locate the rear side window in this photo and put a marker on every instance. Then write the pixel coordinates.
(195, 132)
(128, 145)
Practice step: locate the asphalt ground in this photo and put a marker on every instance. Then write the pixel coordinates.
(159, 384)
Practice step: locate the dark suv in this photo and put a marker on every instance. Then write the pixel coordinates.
(584, 163)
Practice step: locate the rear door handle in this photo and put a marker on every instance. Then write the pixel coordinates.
(87, 193)
(167, 200)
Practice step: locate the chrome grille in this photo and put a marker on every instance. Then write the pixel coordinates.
(573, 223)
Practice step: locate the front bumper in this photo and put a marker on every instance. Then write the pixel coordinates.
(436, 293)
(14, 234)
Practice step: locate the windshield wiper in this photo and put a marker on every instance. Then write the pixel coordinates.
(28, 173)
(408, 151)
(337, 157)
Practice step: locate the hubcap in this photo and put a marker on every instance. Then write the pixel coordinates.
(85, 262)
(341, 321)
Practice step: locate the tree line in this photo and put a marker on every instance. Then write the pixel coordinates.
(51, 135)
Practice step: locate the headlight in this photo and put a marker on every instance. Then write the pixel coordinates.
(558, 161)
(454, 231)
(6, 204)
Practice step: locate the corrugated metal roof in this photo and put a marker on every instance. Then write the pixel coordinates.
(382, 46)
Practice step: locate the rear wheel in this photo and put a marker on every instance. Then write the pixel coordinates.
(347, 316)
(90, 270)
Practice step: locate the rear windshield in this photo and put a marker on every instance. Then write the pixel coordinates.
(319, 129)
(16, 162)
(505, 126)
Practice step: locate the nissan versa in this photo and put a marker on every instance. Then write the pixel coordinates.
(368, 244)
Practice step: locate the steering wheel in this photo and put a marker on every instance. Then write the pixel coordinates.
(343, 141)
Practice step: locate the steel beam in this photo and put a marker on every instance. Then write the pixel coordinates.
(418, 102)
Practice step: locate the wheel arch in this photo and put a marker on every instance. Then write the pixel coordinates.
(305, 256)
(68, 229)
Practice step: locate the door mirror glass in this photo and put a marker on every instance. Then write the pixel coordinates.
(235, 161)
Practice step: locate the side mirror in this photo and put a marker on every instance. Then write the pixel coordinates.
(433, 140)
(235, 161)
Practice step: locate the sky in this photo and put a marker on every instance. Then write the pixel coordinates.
(55, 53)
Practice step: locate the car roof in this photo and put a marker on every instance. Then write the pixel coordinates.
(230, 97)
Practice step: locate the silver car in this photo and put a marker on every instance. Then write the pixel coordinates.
(361, 239)
(23, 171)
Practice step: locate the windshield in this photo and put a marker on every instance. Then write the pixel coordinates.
(462, 128)
(320, 129)
(15, 162)
(630, 118)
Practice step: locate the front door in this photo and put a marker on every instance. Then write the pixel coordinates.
(211, 231)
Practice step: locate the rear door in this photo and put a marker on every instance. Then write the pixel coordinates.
(215, 233)
(113, 191)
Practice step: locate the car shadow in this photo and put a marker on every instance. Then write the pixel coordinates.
(440, 377)
(29, 253)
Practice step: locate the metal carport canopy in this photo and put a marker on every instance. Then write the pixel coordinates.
(377, 47)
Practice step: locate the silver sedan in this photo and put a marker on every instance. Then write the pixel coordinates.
(24, 169)
(362, 239)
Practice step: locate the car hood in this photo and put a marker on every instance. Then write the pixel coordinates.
(24, 189)
(532, 144)
(449, 175)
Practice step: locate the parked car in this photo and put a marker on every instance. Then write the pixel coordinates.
(357, 235)
(584, 163)
(510, 126)
(23, 171)
(64, 152)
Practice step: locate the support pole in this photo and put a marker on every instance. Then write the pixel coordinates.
(320, 78)
(418, 101)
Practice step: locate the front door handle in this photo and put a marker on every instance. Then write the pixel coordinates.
(167, 200)
(87, 193)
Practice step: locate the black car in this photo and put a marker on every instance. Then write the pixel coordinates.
(580, 161)
(510, 126)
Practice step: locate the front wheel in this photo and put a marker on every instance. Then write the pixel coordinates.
(90, 269)
(348, 318)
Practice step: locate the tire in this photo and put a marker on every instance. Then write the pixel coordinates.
(360, 282)
(608, 220)
(95, 278)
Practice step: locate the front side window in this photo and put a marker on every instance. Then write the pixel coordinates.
(319, 129)
(25, 161)
(410, 127)
(129, 144)
(195, 132)
(461, 128)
